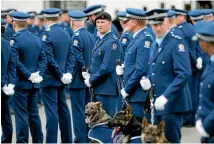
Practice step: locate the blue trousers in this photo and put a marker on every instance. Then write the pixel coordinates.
(56, 111)
(79, 99)
(27, 116)
(109, 103)
(6, 122)
(173, 123)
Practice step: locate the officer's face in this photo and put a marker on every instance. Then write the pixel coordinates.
(160, 29)
(92, 18)
(130, 25)
(204, 46)
(103, 26)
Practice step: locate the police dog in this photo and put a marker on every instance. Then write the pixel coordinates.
(95, 114)
(153, 133)
(124, 122)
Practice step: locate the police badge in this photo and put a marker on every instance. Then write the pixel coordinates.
(44, 37)
(75, 43)
(147, 44)
(114, 47)
(124, 40)
(11, 42)
(181, 48)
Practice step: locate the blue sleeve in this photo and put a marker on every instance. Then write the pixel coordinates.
(78, 49)
(47, 45)
(109, 62)
(70, 62)
(11, 69)
(208, 124)
(141, 66)
(41, 62)
(182, 70)
(114, 30)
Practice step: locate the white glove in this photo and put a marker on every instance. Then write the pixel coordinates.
(145, 83)
(37, 79)
(85, 75)
(8, 90)
(66, 78)
(33, 77)
(160, 102)
(199, 127)
(199, 63)
(119, 69)
(87, 83)
(123, 93)
(12, 86)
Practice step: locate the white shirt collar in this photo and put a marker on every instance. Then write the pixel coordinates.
(101, 36)
(135, 34)
(159, 40)
(212, 58)
(21, 29)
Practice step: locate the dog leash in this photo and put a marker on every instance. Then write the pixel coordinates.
(151, 98)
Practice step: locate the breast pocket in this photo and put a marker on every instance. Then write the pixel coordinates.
(165, 67)
(130, 57)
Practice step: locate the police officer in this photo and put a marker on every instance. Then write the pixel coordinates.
(208, 14)
(57, 45)
(205, 113)
(126, 36)
(31, 63)
(30, 21)
(8, 74)
(136, 60)
(90, 27)
(9, 26)
(169, 72)
(92, 12)
(39, 24)
(83, 43)
(102, 75)
(195, 61)
(65, 22)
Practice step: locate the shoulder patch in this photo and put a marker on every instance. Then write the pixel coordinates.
(44, 37)
(114, 46)
(147, 44)
(47, 29)
(180, 26)
(124, 40)
(181, 48)
(75, 42)
(11, 42)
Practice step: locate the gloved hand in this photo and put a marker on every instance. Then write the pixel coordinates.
(87, 83)
(199, 127)
(38, 79)
(8, 90)
(85, 75)
(66, 78)
(119, 69)
(123, 93)
(34, 77)
(145, 83)
(199, 63)
(160, 102)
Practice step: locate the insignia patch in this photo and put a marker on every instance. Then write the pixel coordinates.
(11, 42)
(181, 48)
(44, 37)
(124, 40)
(114, 47)
(75, 43)
(147, 44)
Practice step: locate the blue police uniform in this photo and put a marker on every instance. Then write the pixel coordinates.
(30, 27)
(90, 27)
(194, 52)
(27, 46)
(38, 30)
(97, 9)
(136, 64)
(103, 77)
(58, 49)
(206, 104)
(169, 72)
(150, 30)
(8, 74)
(66, 26)
(9, 27)
(125, 37)
(82, 43)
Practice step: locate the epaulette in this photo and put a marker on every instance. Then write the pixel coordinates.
(176, 36)
(47, 29)
(15, 34)
(115, 37)
(180, 26)
(65, 29)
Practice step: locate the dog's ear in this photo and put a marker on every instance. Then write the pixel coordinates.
(129, 109)
(144, 123)
(99, 104)
(161, 126)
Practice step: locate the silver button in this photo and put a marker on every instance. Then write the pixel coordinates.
(199, 107)
(163, 62)
(200, 95)
(201, 84)
(154, 95)
(209, 86)
(92, 59)
(148, 63)
(153, 85)
(153, 63)
(153, 73)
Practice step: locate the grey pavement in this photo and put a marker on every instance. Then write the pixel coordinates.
(189, 135)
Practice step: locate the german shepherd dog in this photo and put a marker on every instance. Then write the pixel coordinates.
(124, 122)
(95, 114)
(153, 133)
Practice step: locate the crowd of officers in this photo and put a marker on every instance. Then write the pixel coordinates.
(44, 54)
